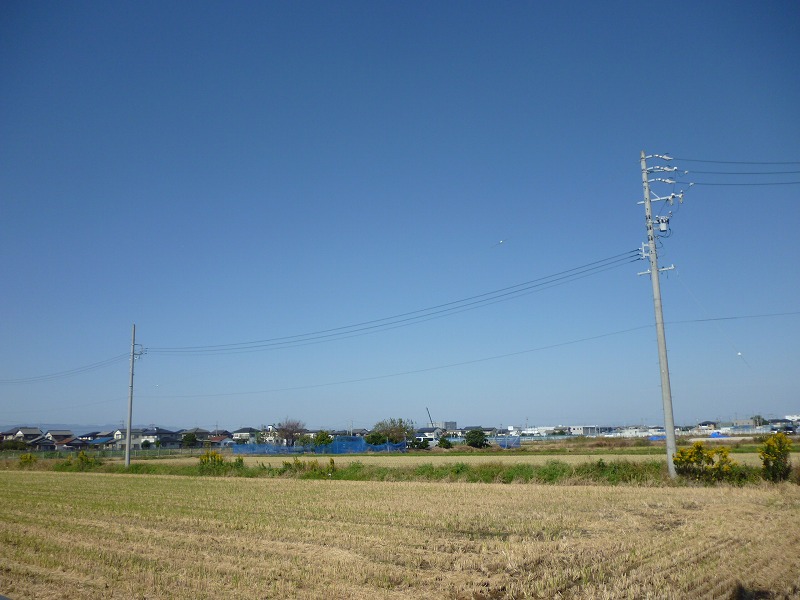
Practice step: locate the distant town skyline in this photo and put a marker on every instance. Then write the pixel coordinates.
(79, 429)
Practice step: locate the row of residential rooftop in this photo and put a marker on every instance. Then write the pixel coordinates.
(159, 437)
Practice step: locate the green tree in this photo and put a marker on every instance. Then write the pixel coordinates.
(774, 454)
(476, 438)
(322, 438)
(758, 420)
(189, 440)
(146, 445)
(395, 430)
(13, 445)
(416, 444)
(375, 438)
(444, 442)
(305, 440)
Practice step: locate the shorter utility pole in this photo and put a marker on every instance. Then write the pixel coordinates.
(134, 355)
(650, 252)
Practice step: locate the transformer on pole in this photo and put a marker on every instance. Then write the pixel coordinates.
(649, 251)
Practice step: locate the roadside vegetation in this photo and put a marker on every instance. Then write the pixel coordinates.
(697, 464)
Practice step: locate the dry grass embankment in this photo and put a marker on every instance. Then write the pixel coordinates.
(128, 536)
(442, 458)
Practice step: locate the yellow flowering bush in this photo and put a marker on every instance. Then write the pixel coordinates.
(774, 454)
(708, 464)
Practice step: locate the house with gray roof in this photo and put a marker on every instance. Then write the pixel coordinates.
(42, 444)
(59, 435)
(27, 434)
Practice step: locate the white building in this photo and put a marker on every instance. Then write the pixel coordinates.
(588, 430)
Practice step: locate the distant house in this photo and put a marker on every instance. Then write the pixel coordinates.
(587, 430)
(160, 437)
(119, 434)
(358, 432)
(120, 441)
(221, 441)
(42, 444)
(102, 442)
(8, 435)
(200, 434)
(27, 434)
(73, 443)
(88, 437)
(707, 426)
(784, 425)
(429, 434)
(268, 435)
(633, 431)
(59, 435)
(245, 435)
(488, 431)
(169, 442)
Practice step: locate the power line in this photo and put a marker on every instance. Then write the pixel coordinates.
(71, 407)
(735, 318)
(741, 183)
(411, 317)
(734, 162)
(68, 373)
(397, 325)
(472, 361)
(744, 172)
(366, 327)
(411, 372)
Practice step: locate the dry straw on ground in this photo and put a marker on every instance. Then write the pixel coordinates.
(125, 536)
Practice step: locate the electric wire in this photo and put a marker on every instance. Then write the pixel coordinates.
(735, 318)
(408, 318)
(393, 319)
(735, 162)
(716, 323)
(409, 372)
(399, 324)
(70, 407)
(366, 327)
(744, 172)
(473, 361)
(68, 373)
(758, 173)
(740, 183)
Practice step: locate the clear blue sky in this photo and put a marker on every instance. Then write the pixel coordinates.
(223, 172)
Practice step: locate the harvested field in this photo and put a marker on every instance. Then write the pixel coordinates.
(128, 536)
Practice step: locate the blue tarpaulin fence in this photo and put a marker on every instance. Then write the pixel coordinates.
(506, 441)
(341, 445)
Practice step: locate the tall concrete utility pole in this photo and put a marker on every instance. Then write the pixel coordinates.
(666, 391)
(130, 401)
